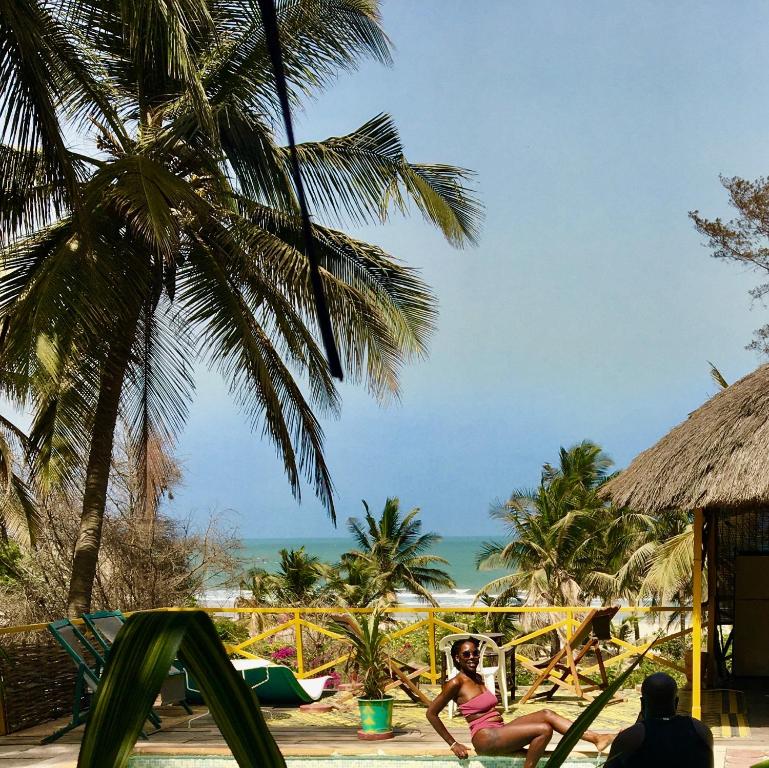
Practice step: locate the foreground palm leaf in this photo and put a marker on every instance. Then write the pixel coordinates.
(585, 720)
(139, 661)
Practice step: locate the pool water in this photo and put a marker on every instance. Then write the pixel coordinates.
(380, 761)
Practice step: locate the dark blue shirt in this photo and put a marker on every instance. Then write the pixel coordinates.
(667, 743)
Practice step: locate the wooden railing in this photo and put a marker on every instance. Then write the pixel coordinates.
(291, 623)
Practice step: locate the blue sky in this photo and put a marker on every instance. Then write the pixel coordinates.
(590, 307)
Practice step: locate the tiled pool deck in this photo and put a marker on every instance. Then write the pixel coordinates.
(740, 723)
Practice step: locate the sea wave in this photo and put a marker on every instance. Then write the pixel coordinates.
(455, 598)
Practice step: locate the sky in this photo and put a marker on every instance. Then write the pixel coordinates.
(590, 307)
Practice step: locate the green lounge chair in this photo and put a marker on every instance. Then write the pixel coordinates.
(89, 663)
(105, 625)
(275, 685)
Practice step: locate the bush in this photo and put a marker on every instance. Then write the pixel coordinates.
(231, 632)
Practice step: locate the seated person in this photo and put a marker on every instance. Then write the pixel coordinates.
(489, 734)
(661, 738)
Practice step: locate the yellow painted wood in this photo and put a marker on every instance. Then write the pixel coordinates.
(323, 667)
(536, 633)
(322, 630)
(742, 726)
(697, 617)
(262, 635)
(408, 629)
(298, 644)
(397, 609)
(726, 726)
(431, 647)
(450, 627)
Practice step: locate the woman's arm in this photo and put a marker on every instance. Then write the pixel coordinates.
(448, 692)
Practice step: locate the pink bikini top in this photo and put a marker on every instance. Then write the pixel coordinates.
(479, 705)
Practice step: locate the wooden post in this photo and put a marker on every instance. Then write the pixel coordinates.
(299, 648)
(712, 563)
(431, 645)
(697, 618)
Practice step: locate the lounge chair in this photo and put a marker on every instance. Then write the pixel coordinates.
(492, 676)
(405, 675)
(562, 668)
(275, 685)
(105, 625)
(90, 664)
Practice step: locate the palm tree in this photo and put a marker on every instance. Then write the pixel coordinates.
(396, 548)
(552, 531)
(19, 513)
(299, 580)
(185, 245)
(354, 581)
(42, 66)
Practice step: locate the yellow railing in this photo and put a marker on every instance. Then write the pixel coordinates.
(295, 620)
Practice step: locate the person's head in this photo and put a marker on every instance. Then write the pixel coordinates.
(659, 695)
(465, 654)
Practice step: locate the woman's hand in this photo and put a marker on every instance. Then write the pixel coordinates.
(460, 750)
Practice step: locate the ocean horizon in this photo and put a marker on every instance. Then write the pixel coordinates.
(459, 552)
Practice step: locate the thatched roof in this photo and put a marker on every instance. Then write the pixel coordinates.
(719, 456)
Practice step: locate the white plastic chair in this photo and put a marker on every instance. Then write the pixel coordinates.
(490, 675)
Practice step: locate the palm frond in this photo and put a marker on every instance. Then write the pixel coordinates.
(234, 343)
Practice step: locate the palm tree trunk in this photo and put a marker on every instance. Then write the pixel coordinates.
(97, 475)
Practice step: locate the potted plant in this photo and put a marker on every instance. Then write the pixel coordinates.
(368, 660)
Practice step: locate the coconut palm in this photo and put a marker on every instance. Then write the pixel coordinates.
(19, 514)
(186, 245)
(645, 556)
(298, 580)
(42, 66)
(552, 531)
(397, 549)
(354, 581)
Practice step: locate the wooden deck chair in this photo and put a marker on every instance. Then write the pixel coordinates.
(561, 670)
(90, 664)
(405, 675)
(105, 625)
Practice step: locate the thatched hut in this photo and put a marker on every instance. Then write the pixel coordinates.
(716, 464)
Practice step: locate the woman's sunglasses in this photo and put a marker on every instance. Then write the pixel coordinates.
(471, 654)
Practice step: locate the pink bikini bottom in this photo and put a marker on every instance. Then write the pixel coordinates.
(485, 721)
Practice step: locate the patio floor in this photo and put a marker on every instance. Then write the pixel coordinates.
(739, 720)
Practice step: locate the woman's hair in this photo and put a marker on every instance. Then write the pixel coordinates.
(457, 643)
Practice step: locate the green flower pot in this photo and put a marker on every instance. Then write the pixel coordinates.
(376, 718)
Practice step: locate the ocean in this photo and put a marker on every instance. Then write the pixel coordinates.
(459, 551)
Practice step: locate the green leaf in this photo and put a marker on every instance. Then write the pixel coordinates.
(585, 720)
(138, 663)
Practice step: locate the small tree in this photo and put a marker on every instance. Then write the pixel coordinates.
(368, 656)
(744, 239)
(398, 550)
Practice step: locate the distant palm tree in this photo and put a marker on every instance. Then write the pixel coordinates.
(354, 581)
(177, 238)
(397, 549)
(298, 581)
(552, 531)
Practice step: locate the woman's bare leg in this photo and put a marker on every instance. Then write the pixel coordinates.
(537, 748)
(513, 737)
(561, 725)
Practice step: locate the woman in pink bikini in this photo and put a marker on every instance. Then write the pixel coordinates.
(489, 734)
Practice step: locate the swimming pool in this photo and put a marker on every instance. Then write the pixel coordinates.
(380, 761)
